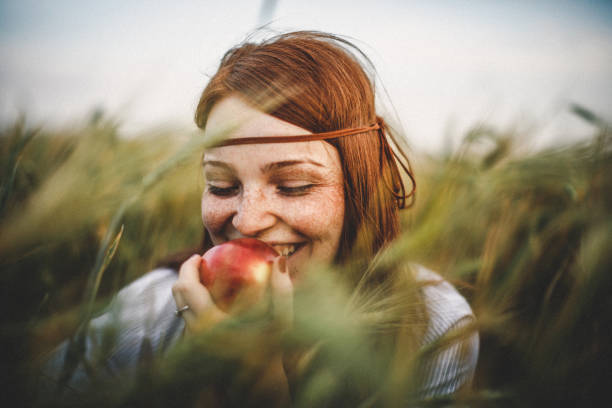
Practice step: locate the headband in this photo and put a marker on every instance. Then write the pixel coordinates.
(297, 138)
(399, 192)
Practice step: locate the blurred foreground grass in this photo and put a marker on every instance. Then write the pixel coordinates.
(526, 236)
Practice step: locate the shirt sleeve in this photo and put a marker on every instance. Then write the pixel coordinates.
(451, 365)
(139, 321)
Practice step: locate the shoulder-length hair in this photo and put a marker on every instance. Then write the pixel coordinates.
(316, 81)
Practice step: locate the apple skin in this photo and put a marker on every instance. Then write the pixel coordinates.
(236, 272)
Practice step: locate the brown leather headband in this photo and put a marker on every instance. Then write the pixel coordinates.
(396, 186)
(296, 138)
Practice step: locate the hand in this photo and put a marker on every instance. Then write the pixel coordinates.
(189, 291)
(203, 313)
(271, 383)
(272, 380)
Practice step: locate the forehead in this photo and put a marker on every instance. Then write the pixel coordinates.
(234, 118)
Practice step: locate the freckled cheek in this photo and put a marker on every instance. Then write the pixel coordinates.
(216, 213)
(320, 219)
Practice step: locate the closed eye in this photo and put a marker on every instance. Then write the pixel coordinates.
(222, 191)
(295, 191)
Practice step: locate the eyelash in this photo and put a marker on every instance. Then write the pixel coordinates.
(287, 191)
(222, 191)
(295, 191)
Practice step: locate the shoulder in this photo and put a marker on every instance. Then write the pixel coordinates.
(446, 307)
(449, 365)
(151, 288)
(140, 316)
(147, 296)
(143, 309)
(151, 282)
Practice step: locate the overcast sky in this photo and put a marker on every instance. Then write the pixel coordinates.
(446, 64)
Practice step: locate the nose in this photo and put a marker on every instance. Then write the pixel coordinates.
(254, 213)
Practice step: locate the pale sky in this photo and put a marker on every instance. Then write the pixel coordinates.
(446, 65)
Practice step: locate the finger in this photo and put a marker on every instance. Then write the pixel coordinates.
(188, 290)
(188, 315)
(188, 287)
(190, 269)
(178, 298)
(280, 280)
(202, 312)
(184, 282)
(282, 291)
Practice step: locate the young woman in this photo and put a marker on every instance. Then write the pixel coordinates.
(308, 167)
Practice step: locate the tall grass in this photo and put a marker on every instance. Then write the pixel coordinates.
(526, 237)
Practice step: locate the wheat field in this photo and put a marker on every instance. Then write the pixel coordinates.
(525, 235)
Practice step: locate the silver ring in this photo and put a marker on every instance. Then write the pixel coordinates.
(180, 311)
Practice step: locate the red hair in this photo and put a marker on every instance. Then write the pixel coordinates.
(316, 82)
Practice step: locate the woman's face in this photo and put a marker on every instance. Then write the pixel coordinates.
(289, 195)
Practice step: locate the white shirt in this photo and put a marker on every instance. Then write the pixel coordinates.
(145, 310)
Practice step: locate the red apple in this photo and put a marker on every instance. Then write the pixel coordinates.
(237, 272)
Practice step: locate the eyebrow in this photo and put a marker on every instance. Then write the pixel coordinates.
(268, 167)
(218, 164)
(287, 163)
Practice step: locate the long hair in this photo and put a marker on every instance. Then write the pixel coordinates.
(318, 83)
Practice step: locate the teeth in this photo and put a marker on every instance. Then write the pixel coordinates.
(285, 250)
